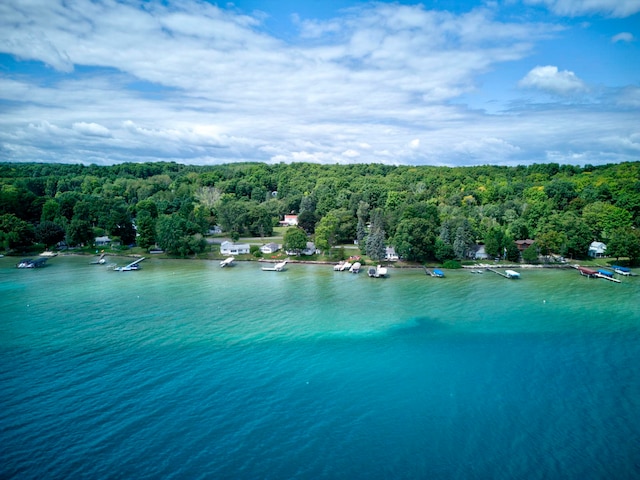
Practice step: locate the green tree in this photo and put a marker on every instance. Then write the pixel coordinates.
(415, 239)
(79, 232)
(443, 251)
(623, 242)
(295, 239)
(146, 225)
(177, 236)
(326, 232)
(49, 233)
(530, 255)
(375, 244)
(15, 233)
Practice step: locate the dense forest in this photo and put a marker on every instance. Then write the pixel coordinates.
(426, 213)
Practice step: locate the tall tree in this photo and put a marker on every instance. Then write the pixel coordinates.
(49, 233)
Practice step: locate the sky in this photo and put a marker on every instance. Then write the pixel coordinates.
(442, 82)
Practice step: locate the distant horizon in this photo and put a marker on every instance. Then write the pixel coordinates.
(436, 83)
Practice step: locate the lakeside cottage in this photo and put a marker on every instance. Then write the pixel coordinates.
(479, 253)
(230, 248)
(102, 241)
(391, 255)
(524, 244)
(289, 221)
(269, 248)
(597, 250)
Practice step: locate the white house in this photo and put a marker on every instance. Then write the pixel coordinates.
(391, 255)
(270, 248)
(230, 248)
(102, 241)
(289, 221)
(480, 253)
(597, 249)
(311, 249)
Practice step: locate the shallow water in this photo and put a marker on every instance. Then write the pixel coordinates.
(186, 370)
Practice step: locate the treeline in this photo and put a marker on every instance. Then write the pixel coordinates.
(425, 212)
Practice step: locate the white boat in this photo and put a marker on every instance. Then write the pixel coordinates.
(511, 274)
(345, 266)
(355, 268)
(338, 267)
(278, 267)
(227, 262)
(378, 272)
(131, 267)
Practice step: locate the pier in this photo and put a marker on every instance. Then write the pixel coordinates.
(496, 271)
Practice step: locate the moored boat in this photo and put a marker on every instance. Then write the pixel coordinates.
(511, 274)
(227, 262)
(355, 268)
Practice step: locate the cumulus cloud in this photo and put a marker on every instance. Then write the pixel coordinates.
(91, 129)
(192, 82)
(622, 37)
(574, 8)
(550, 79)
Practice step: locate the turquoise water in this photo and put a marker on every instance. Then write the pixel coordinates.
(186, 370)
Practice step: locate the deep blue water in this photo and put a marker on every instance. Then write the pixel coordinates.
(186, 370)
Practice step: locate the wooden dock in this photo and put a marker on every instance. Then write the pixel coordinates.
(496, 271)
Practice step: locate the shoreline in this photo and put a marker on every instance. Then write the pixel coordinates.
(332, 263)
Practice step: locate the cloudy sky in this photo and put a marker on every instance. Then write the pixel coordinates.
(441, 82)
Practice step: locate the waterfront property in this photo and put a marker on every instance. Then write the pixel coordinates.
(597, 250)
(230, 248)
(269, 248)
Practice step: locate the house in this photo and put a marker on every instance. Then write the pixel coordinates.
(480, 253)
(597, 250)
(270, 248)
(230, 248)
(311, 249)
(289, 221)
(524, 244)
(102, 241)
(391, 255)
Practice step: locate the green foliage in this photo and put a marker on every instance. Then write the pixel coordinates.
(464, 205)
(49, 233)
(452, 264)
(530, 255)
(295, 239)
(15, 233)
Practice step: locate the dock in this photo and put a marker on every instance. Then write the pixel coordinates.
(507, 273)
(496, 271)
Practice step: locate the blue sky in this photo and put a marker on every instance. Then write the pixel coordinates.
(434, 83)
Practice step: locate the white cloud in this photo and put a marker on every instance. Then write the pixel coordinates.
(574, 8)
(622, 37)
(551, 80)
(91, 129)
(190, 82)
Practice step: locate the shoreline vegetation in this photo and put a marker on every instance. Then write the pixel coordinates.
(438, 217)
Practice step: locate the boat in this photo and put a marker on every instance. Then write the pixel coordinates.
(338, 267)
(278, 267)
(621, 270)
(437, 273)
(477, 270)
(30, 263)
(605, 273)
(227, 262)
(131, 267)
(378, 272)
(511, 274)
(100, 261)
(346, 266)
(355, 268)
(587, 272)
